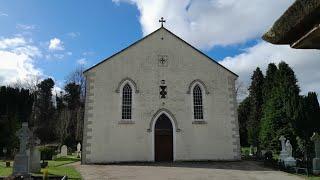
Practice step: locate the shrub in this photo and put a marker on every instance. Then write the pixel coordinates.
(46, 153)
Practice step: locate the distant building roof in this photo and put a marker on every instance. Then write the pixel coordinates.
(299, 26)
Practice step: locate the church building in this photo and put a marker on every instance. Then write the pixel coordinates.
(160, 99)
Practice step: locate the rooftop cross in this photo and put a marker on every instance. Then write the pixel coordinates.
(162, 21)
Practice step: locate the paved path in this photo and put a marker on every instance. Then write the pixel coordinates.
(246, 170)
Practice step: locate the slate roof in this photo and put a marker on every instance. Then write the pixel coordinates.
(301, 17)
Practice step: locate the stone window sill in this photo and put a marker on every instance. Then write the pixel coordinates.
(199, 122)
(125, 121)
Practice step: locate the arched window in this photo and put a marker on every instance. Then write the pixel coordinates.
(126, 102)
(197, 103)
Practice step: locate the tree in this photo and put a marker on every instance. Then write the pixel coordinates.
(281, 109)
(69, 110)
(244, 110)
(309, 123)
(15, 107)
(312, 110)
(256, 100)
(269, 81)
(44, 112)
(241, 90)
(78, 78)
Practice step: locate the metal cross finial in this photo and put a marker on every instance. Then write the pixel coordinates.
(162, 21)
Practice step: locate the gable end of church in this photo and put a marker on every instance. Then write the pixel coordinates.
(140, 40)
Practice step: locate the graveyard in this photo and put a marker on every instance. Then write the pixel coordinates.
(56, 168)
(36, 162)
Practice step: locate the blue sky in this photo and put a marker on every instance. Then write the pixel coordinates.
(58, 36)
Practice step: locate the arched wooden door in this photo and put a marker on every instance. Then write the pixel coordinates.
(163, 139)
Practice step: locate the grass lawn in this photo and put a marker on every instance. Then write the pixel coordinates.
(55, 167)
(4, 171)
(314, 178)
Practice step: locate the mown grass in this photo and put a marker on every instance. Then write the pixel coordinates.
(55, 167)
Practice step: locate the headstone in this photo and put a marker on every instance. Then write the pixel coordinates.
(64, 151)
(21, 160)
(316, 161)
(79, 150)
(34, 154)
(289, 161)
(283, 153)
(251, 151)
(34, 160)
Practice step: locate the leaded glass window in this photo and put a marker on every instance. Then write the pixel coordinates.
(197, 103)
(126, 102)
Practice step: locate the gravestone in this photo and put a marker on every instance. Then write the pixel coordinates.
(316, 161)
(283, 152)
(34, 160)
(251, 151)
(64, 151)
(34, 154)
(289, 161)
(21, 159)
(79, 150)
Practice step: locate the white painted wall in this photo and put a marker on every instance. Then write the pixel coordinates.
(108, 141)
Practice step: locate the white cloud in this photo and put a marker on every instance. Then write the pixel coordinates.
(3, 14)
(305, 63)
(58, 56)
(206, 23)
(88, 53)
(25, 26)
(12, 42)
(56, 44)
(82, 61)
(17, 57)
(73, 34)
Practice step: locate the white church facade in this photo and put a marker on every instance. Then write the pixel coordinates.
(160, 99)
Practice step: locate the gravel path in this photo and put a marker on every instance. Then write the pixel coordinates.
(246, 170)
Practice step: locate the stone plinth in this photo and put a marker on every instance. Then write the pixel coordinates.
(316, 166)
(283, 155)
(20, 166)
(290, 162)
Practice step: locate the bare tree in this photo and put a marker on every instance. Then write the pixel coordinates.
(30, 83)
(241, 90)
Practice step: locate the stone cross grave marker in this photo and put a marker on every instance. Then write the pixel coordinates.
(282, 139)
(23, 135)
(21, 159)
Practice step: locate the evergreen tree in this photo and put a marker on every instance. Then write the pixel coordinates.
(15, 107)
(309, 122)
(256, 100)
(243, 116)
(44, 122)
(269, 81)
(313, 111)
(281, 110)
